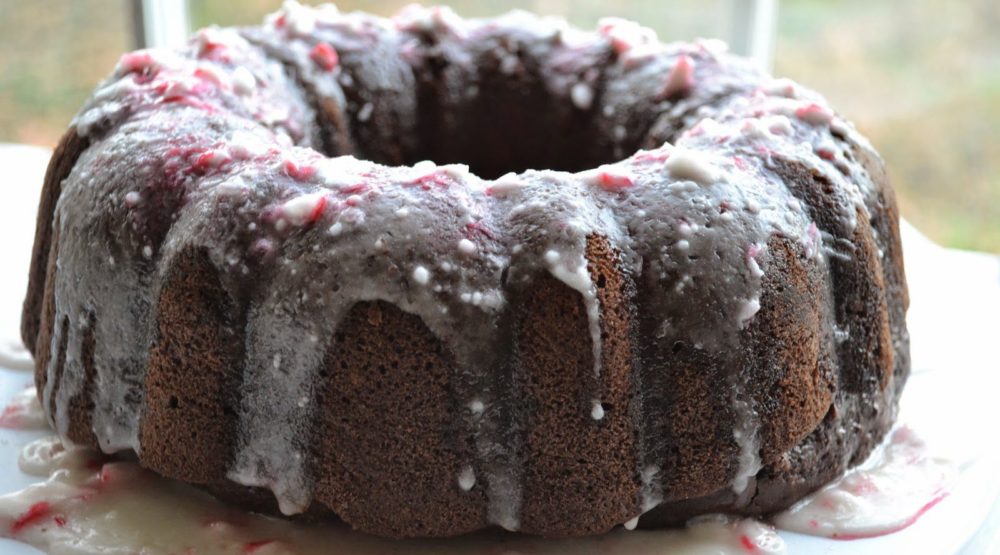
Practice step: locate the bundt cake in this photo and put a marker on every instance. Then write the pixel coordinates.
(429, 275)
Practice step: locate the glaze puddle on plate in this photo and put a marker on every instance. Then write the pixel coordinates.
(895, 487)
(90, 503)
(23, 412)
(93, 503)
(14, 356)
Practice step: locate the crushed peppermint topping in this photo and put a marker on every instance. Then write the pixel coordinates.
(324, 56)
(421, 275)
(505, 185)
(689, 165)
(244, 81)
(624, 34)
(300, 172)
(365, 113)
(466, 246)
(139, 61)
(596, 410)
(815, 114)
(582, 96)
(752, 251)
(244, 145)
(466, 478)
(747, 311)
(680, 80)
(305, 209)
(210, 160)
(611, 178)
(781, 87)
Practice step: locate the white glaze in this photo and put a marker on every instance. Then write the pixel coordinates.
(92, 505)
(23, 412)
(899, 483)
(14, 356)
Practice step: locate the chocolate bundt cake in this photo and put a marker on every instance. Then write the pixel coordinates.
(429, 275)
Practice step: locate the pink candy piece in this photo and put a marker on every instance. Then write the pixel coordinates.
(614, 181)
(262, 248)
(624, 35)
(10, 418)
(825, 153)
(763, 150)
(210, 76)
(325, 56)
(652, 156)
(427, 181)
(814, 113)
(116, 472)
(938, 497)
(681, 78)
(137, 62)
(477, 227)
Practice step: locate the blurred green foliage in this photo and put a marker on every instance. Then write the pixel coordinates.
(920, 77)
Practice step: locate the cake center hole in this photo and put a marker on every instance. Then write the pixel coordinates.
(508, 124)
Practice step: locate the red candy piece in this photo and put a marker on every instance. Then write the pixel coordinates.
(209, 161)
(301, 173)
(35, 514)
(317, 210)
(325, 56)
(748, 544)
(252, 547)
